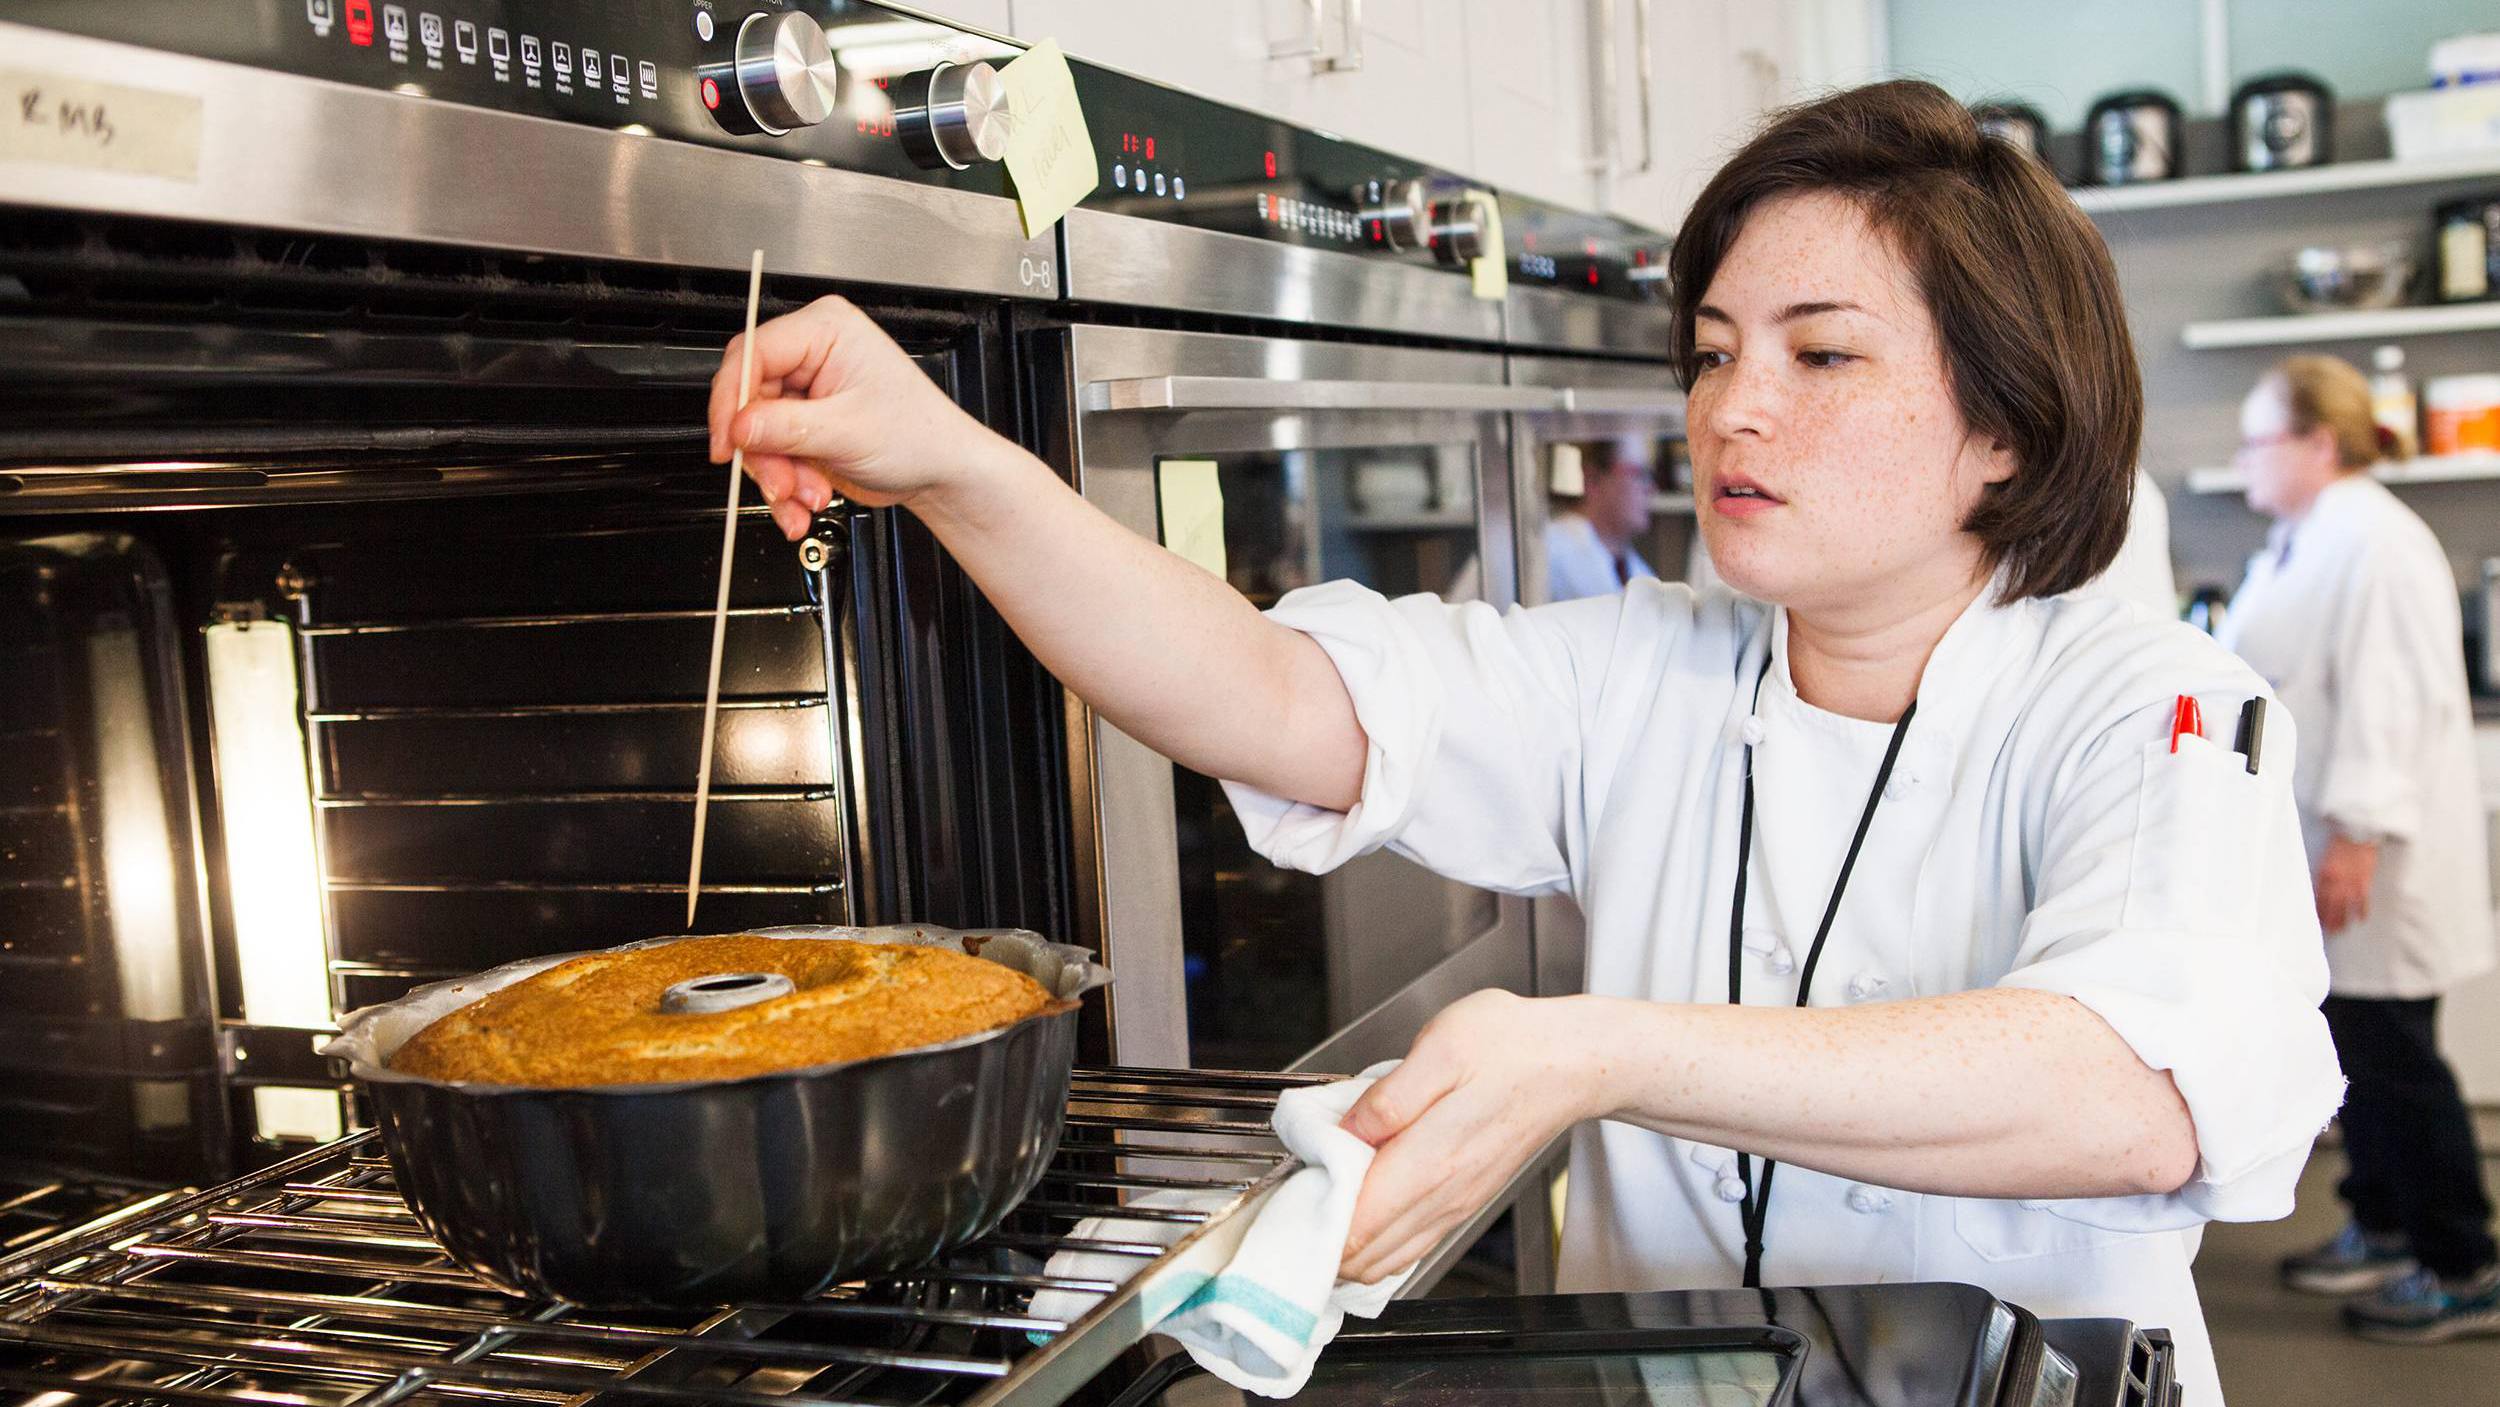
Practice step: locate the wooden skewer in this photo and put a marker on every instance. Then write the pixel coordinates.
(720, 608)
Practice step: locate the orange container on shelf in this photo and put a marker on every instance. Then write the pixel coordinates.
(2461, 414)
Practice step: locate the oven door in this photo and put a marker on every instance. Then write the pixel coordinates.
(1605, 408)
(1389, 466)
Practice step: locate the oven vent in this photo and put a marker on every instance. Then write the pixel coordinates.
(91, 266)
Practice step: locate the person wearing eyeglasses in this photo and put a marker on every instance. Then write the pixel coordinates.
(2350, 611)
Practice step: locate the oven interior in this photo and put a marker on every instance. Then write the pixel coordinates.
(354, 608)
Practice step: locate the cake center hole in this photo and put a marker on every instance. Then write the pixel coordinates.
(724, 991)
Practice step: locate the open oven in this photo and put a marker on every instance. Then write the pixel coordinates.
(357, 549)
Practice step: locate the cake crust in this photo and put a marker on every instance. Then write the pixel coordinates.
(598, 1019)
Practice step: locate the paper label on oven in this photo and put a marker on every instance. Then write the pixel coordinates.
(1489, 272)
(98, 126)
(1193, 511)
(1050, 155)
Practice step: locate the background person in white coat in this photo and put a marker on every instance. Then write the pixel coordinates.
(2064, 977)
(2350, 611)
(1597, 514)
(2142, 571)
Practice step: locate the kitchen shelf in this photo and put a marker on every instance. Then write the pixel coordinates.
(2316, 180)
(2429, 469)
(2295, 328)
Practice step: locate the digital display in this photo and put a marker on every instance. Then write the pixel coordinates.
(872, 113)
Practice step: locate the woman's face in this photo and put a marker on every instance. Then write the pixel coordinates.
(1833, 468)
(2285, 468)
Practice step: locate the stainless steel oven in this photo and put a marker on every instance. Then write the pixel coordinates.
(1385, 465)
(357, 543)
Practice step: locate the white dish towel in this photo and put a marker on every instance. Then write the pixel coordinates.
(1260, 1322)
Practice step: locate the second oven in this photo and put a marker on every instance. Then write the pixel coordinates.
(1385, 465)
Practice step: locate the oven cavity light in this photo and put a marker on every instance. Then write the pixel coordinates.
(264, 795)
(140, 883)
(273, 869)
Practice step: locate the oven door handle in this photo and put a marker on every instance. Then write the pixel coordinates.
(1623, 400)
(1172, 393)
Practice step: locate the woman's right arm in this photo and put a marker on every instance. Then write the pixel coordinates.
(1169, 654)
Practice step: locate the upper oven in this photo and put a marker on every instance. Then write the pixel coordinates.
(358, 544)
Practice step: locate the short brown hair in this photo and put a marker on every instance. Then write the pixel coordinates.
(2025, 299)
(2332, 392)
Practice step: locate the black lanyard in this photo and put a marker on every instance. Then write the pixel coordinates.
(1755, 1209)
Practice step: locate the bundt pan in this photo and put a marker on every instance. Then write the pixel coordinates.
(699, 1193)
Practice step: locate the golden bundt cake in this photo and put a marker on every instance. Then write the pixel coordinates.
(599, 1019)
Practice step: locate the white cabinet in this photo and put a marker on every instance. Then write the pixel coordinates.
(1713, 70)
(1391, 74)
(1527, 86)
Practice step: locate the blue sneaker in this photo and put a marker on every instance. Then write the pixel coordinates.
(2356, 1262)
(2423, 1308)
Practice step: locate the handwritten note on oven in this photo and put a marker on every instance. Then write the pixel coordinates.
(1050, 155)
(99, 126)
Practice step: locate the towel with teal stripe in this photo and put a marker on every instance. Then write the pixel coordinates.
(1260, 1322)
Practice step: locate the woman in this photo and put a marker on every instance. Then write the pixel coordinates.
(2351, 611)
(2067, 1011)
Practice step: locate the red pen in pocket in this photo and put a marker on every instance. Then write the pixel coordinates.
(2187, 719)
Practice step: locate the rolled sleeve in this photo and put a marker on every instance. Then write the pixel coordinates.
(1473, 721)
(2173, 901)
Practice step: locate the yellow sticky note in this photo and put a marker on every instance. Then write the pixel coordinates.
(1193, 511)
(1489, 271)
(1050, 155)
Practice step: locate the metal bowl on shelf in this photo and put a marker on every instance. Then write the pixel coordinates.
(2326, 278)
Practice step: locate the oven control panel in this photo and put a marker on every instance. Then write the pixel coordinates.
(838, 83)
(860, 87)
(1176, 157)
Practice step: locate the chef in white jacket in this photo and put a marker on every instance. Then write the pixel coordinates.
(1600, 506)
(2350, 610)
(1919, 948)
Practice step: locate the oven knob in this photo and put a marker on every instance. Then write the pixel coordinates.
(951, 115)
(1457, 228)
(1393, 213)
(781, 76)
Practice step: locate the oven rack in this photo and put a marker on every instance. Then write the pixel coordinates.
(310, 1284)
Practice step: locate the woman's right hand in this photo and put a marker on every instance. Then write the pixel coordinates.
(839, 409)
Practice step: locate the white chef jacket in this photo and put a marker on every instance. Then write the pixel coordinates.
(2356, 626)
(2037, 833)
(1577, 563)
(2141, 572)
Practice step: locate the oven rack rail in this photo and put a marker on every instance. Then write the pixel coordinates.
(310, 1284)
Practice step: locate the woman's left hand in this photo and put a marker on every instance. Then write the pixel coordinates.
(1490, 1082)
